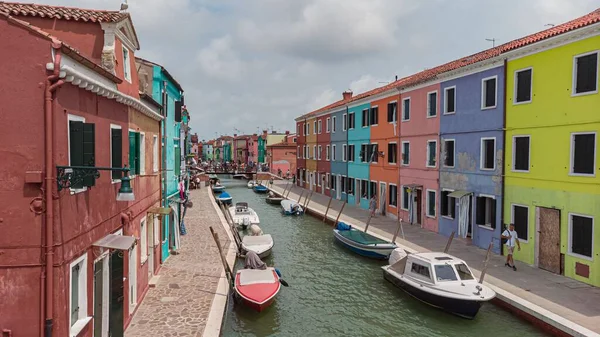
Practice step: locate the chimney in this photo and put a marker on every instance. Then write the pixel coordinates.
(264, 134)
(396, 77)
(347, 94)
(235, 135)
(287, 135)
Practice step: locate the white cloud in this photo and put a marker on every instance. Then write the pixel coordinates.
(219, 60)
(366, 83)
(326, 97)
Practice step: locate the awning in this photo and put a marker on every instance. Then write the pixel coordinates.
(161, 210)
(413, 186)
(114, 241)
(458, 194)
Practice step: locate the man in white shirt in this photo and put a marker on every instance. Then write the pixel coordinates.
(511, 238)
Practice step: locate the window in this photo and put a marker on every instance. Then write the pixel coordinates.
(406, 109)
(448, 204)
(314, 154)
(350, 186)
(143, 241)
(523, 85)
(392, 153)
(520, 217)
(134, 152)
(298, 151)
(373, 151)
(126, 65)
(405, 153)
(521, 148)
(450, 100)
(132, 278)
(374, 117)
(449, 152)
(488, 154)
(351, 121)
(116, 150)
(314, 127)
(177, 153)
(489, 92)
(445, 272)
(78, 295)
(333, 124)
(420, 270)
(328, 125)
(485, 214)
(332, 182)
(319, 179)
(345, 122)
(431, 153)
(463, 272)
(392, 114)
(317, 127)
(327, 180)
(364, 188)
(351, 152)
(155, 156)
(319, 151)
(364, 149)
(405, 196)
(432, 104)
(320, 123)
(431, 203)
(333, 149)
(372, 189)
(344, 183)
(327, 152)
(393, 195)
(365, 118)
(581, 234)
(142, 153)
(82, 148)
(344, 152)
(583, 153)
(295, 140)
(585, 72)
(306, 127)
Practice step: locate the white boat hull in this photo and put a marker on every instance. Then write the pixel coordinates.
(260, 244)
(238, 218)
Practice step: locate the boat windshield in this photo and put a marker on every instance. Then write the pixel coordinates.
(445, 272)
(463, 272)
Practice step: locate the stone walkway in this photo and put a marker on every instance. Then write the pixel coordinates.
(557, 300)
(181, 302)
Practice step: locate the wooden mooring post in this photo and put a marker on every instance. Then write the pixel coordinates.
(485, 264)
(369, 220)
(307, 201)
(228, 271)
(400, 228)
(285, 189)
(339, 214)
(300, 197)
(327, 210)
(288, 193)
(449, 242)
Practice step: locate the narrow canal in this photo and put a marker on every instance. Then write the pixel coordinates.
(334, 292)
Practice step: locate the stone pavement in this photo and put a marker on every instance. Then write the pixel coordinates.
(555, 299)
(181, 302)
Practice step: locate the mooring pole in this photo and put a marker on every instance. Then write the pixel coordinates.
(449, 243)
(228, 271)
(485, 264)
(339, 214)
(398, 230)
(307, 201)
(288, 193)
(327, 210)
(300, 197)
(285, 189)
(368, 221)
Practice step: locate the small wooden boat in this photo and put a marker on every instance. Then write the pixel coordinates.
(251, 183)
(260, 244)
(243, 216)
(257, 288)
(289, 207)
(239, 176)
(440, 280)
(218, 188)
(273, 199)
(260, 188)
(363, 243)
(213, 177)
(224, 198)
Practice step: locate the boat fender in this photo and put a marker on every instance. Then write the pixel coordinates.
(341, 226)
(278, 272)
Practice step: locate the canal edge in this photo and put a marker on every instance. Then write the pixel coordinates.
(544, 319)
(218, 307)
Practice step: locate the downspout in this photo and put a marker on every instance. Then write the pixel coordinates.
(52, 83)
(504, 154)
(164, 156)
(399, 188)
(348, 157)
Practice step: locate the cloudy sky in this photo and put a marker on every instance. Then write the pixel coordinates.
(256, 64)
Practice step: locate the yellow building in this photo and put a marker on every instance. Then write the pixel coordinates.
(311, 159)
(552, 184)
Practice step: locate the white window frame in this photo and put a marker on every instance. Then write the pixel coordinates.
(143, 240)
(370, 109)
(396, 116)
(364, 157)
(441, 195)
(428, 154)
(314, 155)
(572, 154)
(126, 64)
(403, 187)
(516, 84)
(427, 204)
(512, 219)
(345, 122)
(327, 152)
(362, 122)
(333, 148)
(445, 111)
(574, 80)
(327, 177)
(403, 110)
(489, 196)
(315, 127)
(116, 127)
(376, 154)
(436, 104)
(570, 248)
(155, 155)
(132, 276)
(319, 126)
(73, 118)
(333, 124)
(483, 82)
(328, 125)
(388, 188)
(298, 151)
(453, 153)
(319, 152)
(481, 157)
(402, 154)
(156, 228)
(318, 177)
(76, 327)
(344, 152)
(514, 153)
(142, 153)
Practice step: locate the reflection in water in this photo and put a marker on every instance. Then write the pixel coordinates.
(334, 292)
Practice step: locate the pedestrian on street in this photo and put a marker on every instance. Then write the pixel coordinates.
(373, 205)
(511, 238)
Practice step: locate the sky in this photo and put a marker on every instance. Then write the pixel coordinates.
(251, 65)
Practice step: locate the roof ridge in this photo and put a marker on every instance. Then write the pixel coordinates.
(65, 7)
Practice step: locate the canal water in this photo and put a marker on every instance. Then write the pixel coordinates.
(334, 292)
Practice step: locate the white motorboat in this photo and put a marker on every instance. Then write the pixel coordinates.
(440, 280)
(243, 216)
(289, 207)
(251, 183)
(260, 244)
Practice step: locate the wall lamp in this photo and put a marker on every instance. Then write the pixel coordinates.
(69, 176)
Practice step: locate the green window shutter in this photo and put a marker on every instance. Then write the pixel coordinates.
(132, 153)
(116, 151)
(177, 161)
(138, 142)
(89, 150)
(76, 147)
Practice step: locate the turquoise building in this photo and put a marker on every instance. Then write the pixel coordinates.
(359, 138)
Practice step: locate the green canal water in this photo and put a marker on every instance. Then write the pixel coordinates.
(334, 292)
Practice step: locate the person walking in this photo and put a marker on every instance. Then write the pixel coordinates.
(512, 238)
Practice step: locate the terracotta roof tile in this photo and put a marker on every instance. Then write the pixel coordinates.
(62, 13)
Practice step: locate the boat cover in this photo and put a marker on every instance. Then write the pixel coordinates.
(342, 226)
(249, 276)
(224, 195)
(253, 262)
(361, 237)
(257, 240)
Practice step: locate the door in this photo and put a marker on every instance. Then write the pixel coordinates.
(418, 198)
(549, 239)
(358, 193)
(382, 198)
(338, 186)
(310, 180)
(116, 295)
(470, 219)
(98, 297)
(150, 241)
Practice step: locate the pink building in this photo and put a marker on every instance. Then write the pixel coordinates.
(419, 171)
(253, 148)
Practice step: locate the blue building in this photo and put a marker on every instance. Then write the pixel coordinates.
(338, 141)
(359, 138)
(471, 132)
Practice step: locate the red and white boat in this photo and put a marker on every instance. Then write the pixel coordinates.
(257, 288)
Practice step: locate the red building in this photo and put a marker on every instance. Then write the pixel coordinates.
(300, 153)
(74, 260)
(282, 156)
(324, 154)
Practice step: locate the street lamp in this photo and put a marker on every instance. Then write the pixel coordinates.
(69, 176)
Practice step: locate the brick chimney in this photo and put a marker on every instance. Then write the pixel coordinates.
(347, 94)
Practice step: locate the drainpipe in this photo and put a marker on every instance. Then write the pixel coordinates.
(348, 157)
(164, 147)
(504, 154)
(52, 83)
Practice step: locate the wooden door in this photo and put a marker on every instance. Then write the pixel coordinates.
(150, 242)
(116, 295)
(418, 199)
(98, 297)
(549, 239)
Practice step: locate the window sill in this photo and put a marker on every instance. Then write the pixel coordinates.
(489, 228)
(583, 257)
(405, 120)
(434, 116)
(78, 190)
(447, 217)
(521, 103)
(79, 326)
(403, 209)
(392, 164)
(483, 108)
(585, 93)
(393, 206)
(487, 169)
(430, 166)
(584, 175)
(115, 181)
(450, 113)
(448, 167)
(520, 171)
(430, 216)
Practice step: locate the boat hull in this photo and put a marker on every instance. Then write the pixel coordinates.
(226, 201)
(370, 251)
(260, 190)
(462, 308)
(218, 189)
(274, 201)
(258, 296)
